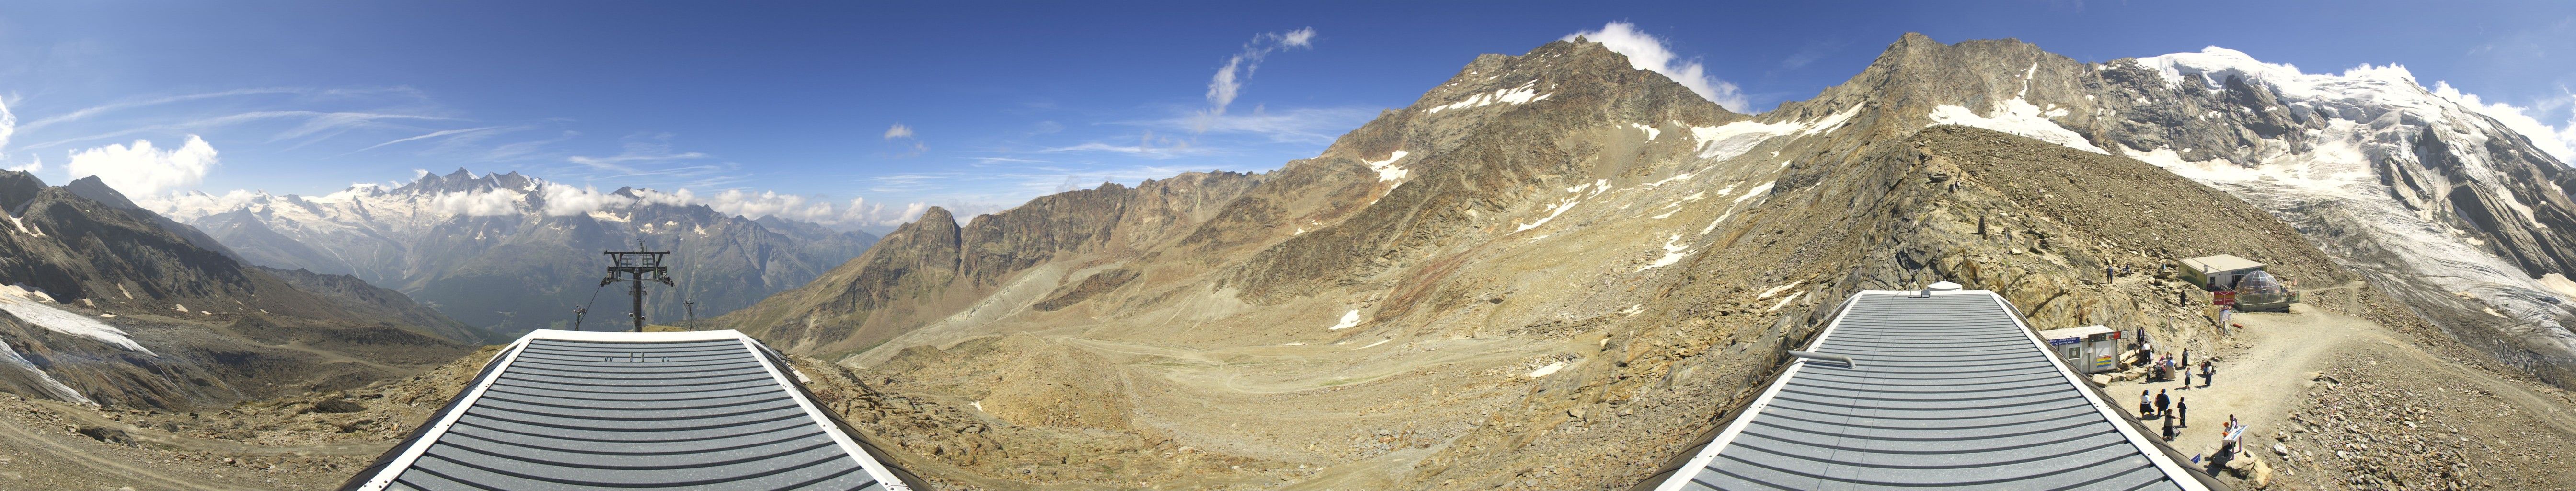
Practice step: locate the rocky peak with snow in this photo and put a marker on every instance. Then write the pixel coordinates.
(2420, 189)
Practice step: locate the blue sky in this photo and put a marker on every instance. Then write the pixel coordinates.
(996, 103)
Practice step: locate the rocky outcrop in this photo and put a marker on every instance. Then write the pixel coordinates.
(933, 267)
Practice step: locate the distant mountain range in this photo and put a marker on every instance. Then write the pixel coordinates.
(507, 253)
(105, 302)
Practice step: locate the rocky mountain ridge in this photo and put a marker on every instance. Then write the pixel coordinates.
(1548, 273)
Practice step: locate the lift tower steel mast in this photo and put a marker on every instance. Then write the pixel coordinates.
(639, 266)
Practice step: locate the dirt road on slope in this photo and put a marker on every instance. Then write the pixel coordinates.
(2285, 375)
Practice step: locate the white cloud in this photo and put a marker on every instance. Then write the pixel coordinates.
(1647, 52)
(898, 131)
(857, 212)
(191, 205)
(8, 128)
(142, 170)
(564, 200)
(2558, 141)
(8, 124)
(487, 203)
(1228, 81)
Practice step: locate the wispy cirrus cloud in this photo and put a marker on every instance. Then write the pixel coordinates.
(316, 121)
(525, 149)
(1146, 151)
(639, 148)
(1301, 125)
(86, 113)
(1229, 79)
(434, 134)
(335, 122)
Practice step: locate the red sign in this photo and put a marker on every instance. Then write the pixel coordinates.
(2222, 297)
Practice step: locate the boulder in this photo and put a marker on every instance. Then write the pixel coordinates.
(2262, 474)
(338, 405)
(105, 434)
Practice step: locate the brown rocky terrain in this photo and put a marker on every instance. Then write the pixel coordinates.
(310, 441)
(1552, 272)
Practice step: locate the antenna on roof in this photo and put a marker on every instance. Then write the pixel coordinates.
(639, 266)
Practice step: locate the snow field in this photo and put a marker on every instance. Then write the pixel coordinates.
(1386, 169)
(25, 305)
(2017, 116)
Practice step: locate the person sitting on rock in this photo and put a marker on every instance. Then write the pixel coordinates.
(2163, 403)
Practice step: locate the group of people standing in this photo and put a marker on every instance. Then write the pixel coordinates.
(2175, 411)
(2165, 367)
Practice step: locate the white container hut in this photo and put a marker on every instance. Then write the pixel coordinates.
(2090, 349)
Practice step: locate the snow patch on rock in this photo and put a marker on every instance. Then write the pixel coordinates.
(1559, 208)
(44, 380)
(1674, 251)
(25, 304)
(1551, 368)
(1523, 94)
(1386, 169)
(2016, 116)
(1651, 132)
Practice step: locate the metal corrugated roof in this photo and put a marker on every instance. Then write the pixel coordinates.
(1948, 390)
(2076, 332)
(572, 410)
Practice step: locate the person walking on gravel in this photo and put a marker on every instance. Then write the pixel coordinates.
(2146, 405)
(2169, 429)
(2205, 372)
(2182, 412)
